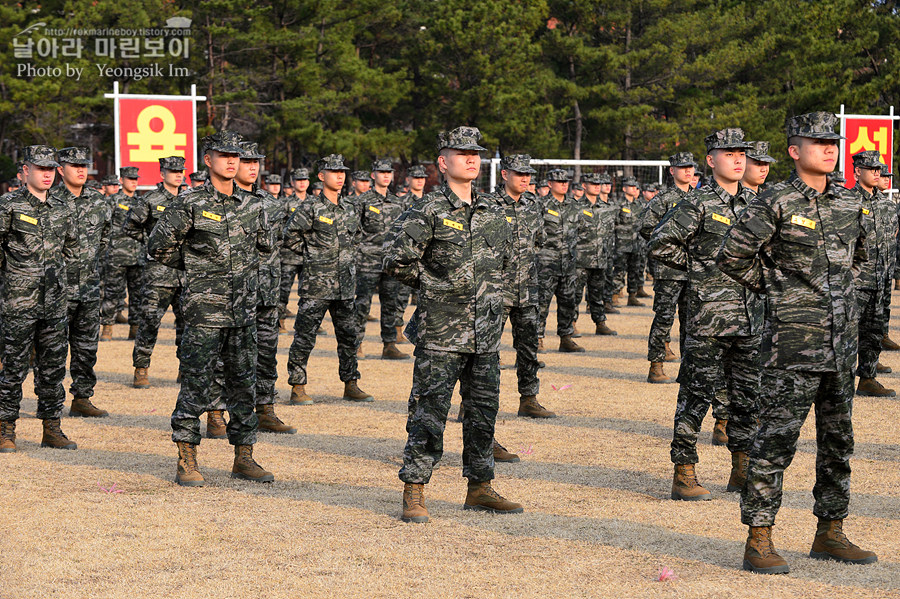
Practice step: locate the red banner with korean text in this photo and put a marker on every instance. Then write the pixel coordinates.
(866, 133)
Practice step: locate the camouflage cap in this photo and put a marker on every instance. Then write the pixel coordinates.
(731, 138)
(592, 178)
(886, 171)
(816, 125)
(318, 185)
(273, 180)
(651, 187)
(681, 159)
(461, 138)
(199, 176)
(383, 165)
(518, 163)
(250, 150)
(298, 174)
(227, 142)
(416, 172)
(558, 174)
(838, 178)
(172, 163)
(92, 183)
(40, 156)
(867, 159)
(578, 186)
(333, 162)
(360, 176)
(14, 182)
(128, 172)
(543, 183)
(110, 180)
(75, 155)
(759, 151)
(631, 182)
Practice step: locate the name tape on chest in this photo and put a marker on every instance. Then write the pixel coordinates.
(326, 220)
(160, 208)
(28, 219)
(553, 212)
(124, 207)
(588, 213)
(866, 211)
(509, 219)
(626, 210)
(212, 216)
(453, 224)
(721, 219)
(374, 209)
(803, 222)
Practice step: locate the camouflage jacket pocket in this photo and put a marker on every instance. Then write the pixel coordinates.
(799, 334)
(798, 247)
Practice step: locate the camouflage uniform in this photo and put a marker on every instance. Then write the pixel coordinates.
(892, 222)
(556, 260)
(291, 262)
(403, 296)
(596, 235)
(217, 239)
(327, 235)
(628, 252)
(37, 239)
(122, 268)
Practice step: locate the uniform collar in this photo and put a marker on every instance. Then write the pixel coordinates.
(806, 190)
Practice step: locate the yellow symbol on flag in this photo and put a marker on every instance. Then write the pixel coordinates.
(453, 224)
(721, 219)
(803, 222)
(877, 140)
(153, 145)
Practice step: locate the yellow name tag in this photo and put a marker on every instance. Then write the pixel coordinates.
(721, 219)
(292, 209)
(509, 219)
(553, 212)
(374, 209)
(28, 219)
(326, 220)
(453, 224)
(866, 211)
(161, 208)
(124, 207)
(803, 222)
(588, 213)
(626, 210)
(212, 216)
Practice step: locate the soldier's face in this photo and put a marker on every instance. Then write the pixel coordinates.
(884, 183)
(631, 192)
(73, 174)
(559, 188)
(248, 171)
(129, 185)
(757, 172)
(301, 185)
(868, 177)
(416, 184)
(814, 156)
(110, 189)
(173, 178)
(224, 165)
(274, 188)
(592, 189)
(516, 183)
(382, 178)
(332, 180)
(727, 164)
(543, 191)
(649, 195)
(39, 178)
(460, 165)
(606, 188)
(361, 186)
(682, 175)
(578, 193)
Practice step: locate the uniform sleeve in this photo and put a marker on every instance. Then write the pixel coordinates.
(860, 252)
(106, 235)
(265, 240)
(298, 224)
(739, 257)
(649, 217)
(669, 241)
(164, 243)
(5, 221)
(137, 216)
(406, 244)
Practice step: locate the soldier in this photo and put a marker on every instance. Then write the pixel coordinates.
(326, 230)
(415, 178)
(291, 262)
(378, 209)
(722, 343)
(577, 191)
(316, 188)
(122, 267)
(110, 185)
(13, 185)
(799, 243)
(597, 221)
(361, 183)
(556, 261)
(890, 212)
(758, 161)
(628, 251)
(874, 275)
(37, 239)
(648, 192)
(216, 233)
(669, 284)
(161, 284)
(92, 213)
(273, 185)
(453, 246)
(605, 189)
(199, 178)
(543, 188)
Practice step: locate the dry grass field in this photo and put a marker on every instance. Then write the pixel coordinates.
(595, 483)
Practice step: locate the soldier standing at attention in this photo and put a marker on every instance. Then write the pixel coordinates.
(291, 262)
(361, 183)
(123, 263)
(378, 209)
(453, 246)
(415, 179)
(325, 230)
(669, 284)
(216, 233)
(874, 276)
(722, 343)
(162, 284)
(543, 188)
(892, 217)
(37, 239)
(799, 243)
(758, 161)
(110, 185)
(273, 185)
(597, 221)
(628, 252)
(648, 192)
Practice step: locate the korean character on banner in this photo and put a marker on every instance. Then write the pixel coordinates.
(154, 48)
(47, 47)
(23, 48)
(105, 46)
(130, 47)
(72, 46)
(179, 47)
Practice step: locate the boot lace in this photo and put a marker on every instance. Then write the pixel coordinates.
(53, 426)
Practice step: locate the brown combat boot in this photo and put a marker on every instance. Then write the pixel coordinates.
(414, 503)
(141, 379)
(7, 436)
(872, 388)
(132, 331)
(541, 345)
(354, 393)
(610, 308)
(281, 327)
(568, 345)
(299, 396)
(215, 425)
(54, 437)
(719, 436)
(888, 344)
(633, 300)
(246, 468)
(289, 313)
(576, 334)
(82, 406)
(882, 369)
(641, 293)
(106, 332)
(759, 553)
(670, 355)
(602, 329)
(657, 375)
(832, 544)
(740, 460)
(370, 318)
(390, 352)
(121, 318)
(482, 497)
(401, 338)
(529, 406)
(685, 485)
(896, 284)
(188, 474)
(501, 455)
(269, 422)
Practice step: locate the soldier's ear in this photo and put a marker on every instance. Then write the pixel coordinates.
(206, 159)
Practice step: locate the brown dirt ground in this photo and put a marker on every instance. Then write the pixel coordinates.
(594, 482)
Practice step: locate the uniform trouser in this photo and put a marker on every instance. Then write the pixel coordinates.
(156, 301)
(288, 273)
(84, 335)
(871, 330)
(21, 334)
(642, 265)
(609, 283)
(562, 285)
(668, 295)
(524, 321)
(628, 264)
(786, 399)
(591, 283)
(886, 316)
(434, 376)
(388, 289)
(202, 348)
(403, 295)
(266, 361)
(118, 280)
(709, 364)
(310, 312)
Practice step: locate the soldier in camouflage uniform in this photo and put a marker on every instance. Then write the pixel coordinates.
(291, 262)
(415, 179)
(378, 209)
(361, 183)
(326, 231)
(884, 184)
(556, 261)
(799, 243)
(628, 248)
(596, 232)
(199, 178)
(123, 263)
(453, 246)
(874, 276)
(110, 185)
(37, 239)
(669, 284)
(92, 213)
(722, 343)
(648, 192)
(273, 185)
(216, 233)
(161, 284)
(605, 189)
(758, 161)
